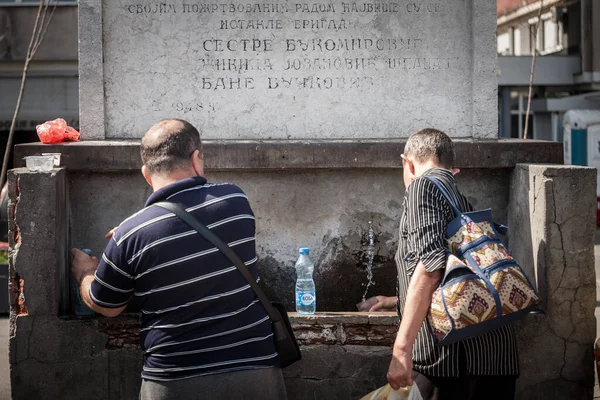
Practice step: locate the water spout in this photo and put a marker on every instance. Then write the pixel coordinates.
(370, 257)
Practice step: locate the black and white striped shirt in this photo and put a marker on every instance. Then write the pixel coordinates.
(423, 237)
(199, 315)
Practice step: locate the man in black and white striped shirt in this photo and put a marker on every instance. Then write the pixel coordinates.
(204, 333)
(485, 367)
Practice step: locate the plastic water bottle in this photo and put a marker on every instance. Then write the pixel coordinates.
(79, 307)
(306, 298)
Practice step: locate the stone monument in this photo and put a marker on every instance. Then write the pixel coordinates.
(303, 106)
(289, 70)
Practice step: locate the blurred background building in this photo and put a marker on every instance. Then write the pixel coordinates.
(567, 69)
(567, 73)
(51, 89)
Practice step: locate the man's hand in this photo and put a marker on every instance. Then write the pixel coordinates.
(110, 233)
(418, 300)
(385, 303)
(83, 265)
(400, 372)
(83, 268)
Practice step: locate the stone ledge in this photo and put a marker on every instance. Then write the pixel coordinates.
(360, 318)
(345, 328)
(289, 155)
(330, 328)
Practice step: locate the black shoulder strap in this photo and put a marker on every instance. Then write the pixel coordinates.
(225, 249)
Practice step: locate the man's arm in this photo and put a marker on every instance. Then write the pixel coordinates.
(427, 216)
(418, 300)
(86, 285)
(84, 268)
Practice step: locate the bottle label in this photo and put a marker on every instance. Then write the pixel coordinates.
(305, 298)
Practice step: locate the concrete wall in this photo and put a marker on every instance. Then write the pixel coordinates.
(316, 194)
(294, 209)
(551, 214)
(54, 355)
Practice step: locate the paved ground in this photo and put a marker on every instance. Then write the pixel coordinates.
(597, 251)
(4, 371)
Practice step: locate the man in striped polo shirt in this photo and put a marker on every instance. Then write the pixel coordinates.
(204, 333)
(485, 367)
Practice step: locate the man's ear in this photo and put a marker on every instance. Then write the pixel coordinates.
(146, 175)
(198, 162)
(410, 165)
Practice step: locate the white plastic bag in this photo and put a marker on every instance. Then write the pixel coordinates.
(387, 393)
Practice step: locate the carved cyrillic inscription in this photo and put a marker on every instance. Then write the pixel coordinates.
(347, 52)
(211, 60)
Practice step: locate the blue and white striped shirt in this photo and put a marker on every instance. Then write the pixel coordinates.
(199, 315)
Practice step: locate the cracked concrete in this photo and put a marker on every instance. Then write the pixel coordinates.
(553, 244)
(553, 211)
(337, 372)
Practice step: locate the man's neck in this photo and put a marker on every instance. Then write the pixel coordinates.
(159, 182)
(420, 169)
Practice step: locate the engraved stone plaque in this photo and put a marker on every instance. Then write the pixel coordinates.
(294, 70)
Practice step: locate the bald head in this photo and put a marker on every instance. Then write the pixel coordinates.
(169, 145)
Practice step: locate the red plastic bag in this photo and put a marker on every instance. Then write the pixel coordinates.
(56, 131)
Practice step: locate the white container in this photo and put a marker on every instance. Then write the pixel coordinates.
(581, 143)
(56, 158)
(39, 163)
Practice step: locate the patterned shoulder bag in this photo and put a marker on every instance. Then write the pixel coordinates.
(483, 287)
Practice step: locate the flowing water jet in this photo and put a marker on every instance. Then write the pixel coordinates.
(370, 257)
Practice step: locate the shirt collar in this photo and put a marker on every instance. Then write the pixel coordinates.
(173, 188)
(438, 171)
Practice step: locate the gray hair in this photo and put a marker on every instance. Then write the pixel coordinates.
(431, 145)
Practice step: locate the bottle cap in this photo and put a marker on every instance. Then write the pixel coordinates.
(304, 250)
(87, 251)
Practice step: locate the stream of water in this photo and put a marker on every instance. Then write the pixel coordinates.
(370, 257)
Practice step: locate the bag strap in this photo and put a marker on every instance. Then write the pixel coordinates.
(445, 193)
(502, 229)
(189, 219)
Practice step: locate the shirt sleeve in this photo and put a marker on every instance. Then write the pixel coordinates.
(113, 283)
(427, 219)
